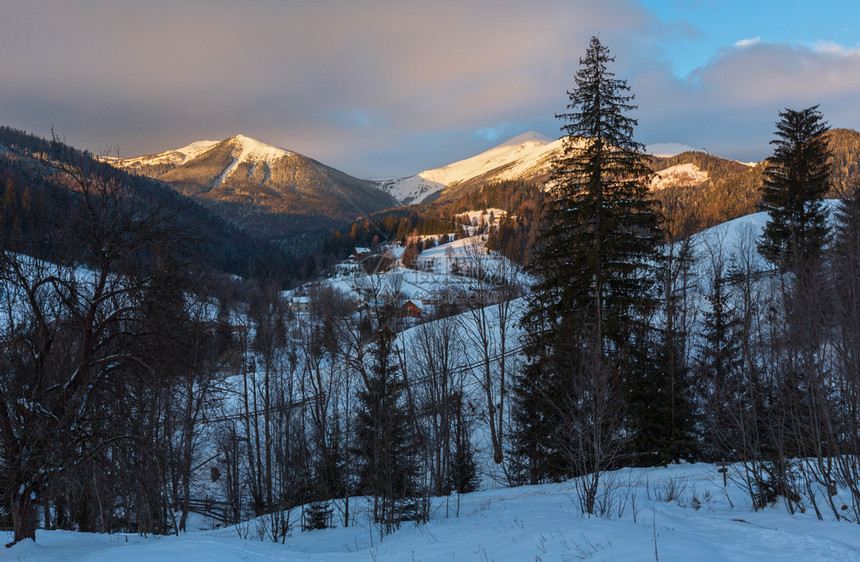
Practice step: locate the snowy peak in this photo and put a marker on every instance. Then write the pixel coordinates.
(252, 153)
(531, 137)
(252, 150)
(249, 183)
(232, 155)
(241, 148)
(526, 154)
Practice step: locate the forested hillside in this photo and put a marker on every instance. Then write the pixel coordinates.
(733, 189)
(39, 200)
(845, 168)
(265, 191)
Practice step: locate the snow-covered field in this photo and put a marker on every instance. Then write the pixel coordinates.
(706, 523)
(435, 269)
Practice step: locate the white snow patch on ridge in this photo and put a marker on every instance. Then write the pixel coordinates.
(682, 174)
(253, 152)
(175, 157)
(667, 149)
(256, 151)
(194, 149)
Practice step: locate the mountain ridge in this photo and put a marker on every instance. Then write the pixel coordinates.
(511, 159)
(527, 156)
(39, 201)
(267, 190)
(242, 180)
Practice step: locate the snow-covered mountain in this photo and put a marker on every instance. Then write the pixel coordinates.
(252, 183)
(527, 155)
(169, 159)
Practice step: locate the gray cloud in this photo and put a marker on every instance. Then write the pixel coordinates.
(731, 105)
(378, 88)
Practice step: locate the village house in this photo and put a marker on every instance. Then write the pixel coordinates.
(300, 305)
(410, 310)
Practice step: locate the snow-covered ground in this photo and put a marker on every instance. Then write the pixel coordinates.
(435, 269)
(705, 523)
(465, 252)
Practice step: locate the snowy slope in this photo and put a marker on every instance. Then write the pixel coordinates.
(520, 154)
(175, 157)
(242, 151)
(706, 523)
(740, 235)
(682, 174)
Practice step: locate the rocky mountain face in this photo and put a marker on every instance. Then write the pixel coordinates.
(262, 189)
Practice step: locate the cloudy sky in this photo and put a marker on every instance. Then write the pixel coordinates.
(385, 88)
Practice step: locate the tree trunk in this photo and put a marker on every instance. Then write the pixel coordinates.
(23, 517)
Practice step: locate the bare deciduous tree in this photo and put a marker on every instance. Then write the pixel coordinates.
(69, 331)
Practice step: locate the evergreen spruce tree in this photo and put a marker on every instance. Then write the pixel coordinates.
(845, 268)
(384, 441)
(795, 180)
(535, 453)
(317, 515)
(719, 387)
(463, 470)
(720, 354)
(846, 255)
(665, 411)
(595, 265)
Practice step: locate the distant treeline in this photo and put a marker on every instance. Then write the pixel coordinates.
(732, 190)
(522, 199)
